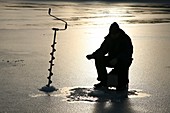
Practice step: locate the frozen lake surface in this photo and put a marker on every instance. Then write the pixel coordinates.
(25, 41)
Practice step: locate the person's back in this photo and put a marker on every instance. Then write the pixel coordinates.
(121, 47)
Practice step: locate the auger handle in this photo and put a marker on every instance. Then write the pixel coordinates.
(49, 12)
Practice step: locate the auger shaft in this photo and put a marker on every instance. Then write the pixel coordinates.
(52, 58)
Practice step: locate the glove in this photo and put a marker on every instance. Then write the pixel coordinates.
(89, 57)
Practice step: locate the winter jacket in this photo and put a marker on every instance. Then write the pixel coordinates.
(120, 47)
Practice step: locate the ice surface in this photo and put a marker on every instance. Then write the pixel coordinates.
(89, 94)
(25, 41)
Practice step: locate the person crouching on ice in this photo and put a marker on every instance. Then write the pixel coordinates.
(119, 49)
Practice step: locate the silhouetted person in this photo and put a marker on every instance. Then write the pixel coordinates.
(116, 52)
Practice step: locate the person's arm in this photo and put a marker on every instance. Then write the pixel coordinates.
(101, 51)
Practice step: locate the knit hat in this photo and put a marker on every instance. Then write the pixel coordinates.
(114, 27)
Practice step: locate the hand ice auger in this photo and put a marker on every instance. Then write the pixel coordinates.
(53, 47)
